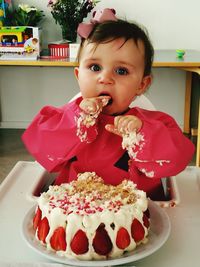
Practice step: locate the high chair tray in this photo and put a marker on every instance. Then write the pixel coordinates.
(17, 196)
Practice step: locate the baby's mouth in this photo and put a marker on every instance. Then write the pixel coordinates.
(110, 100)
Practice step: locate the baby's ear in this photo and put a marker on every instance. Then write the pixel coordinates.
(76, 72)
(145, 83)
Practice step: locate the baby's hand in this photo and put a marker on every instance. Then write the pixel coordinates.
(124, 125)
(94, 105)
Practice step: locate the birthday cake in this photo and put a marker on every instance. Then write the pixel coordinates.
(87, 219)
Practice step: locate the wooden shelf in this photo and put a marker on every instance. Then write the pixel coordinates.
(163, 58)
(40, 63)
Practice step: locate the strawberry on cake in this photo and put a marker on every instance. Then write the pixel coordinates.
(87, 219)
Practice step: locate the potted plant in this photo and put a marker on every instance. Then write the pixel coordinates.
(69, 13)
(24, 15)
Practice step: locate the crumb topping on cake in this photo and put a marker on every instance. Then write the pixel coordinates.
(88, 195)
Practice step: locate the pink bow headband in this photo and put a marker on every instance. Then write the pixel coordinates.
(84, 29)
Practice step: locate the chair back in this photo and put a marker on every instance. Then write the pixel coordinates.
(143, 102)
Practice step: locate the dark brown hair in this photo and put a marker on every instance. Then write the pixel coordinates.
(110, 30)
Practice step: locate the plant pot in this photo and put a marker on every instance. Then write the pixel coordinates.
(69, 33)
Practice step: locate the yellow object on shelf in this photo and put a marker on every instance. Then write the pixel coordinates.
(1, 17)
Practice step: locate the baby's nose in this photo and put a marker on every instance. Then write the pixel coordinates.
(106, 77)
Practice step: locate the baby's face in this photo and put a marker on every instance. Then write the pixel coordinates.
(115, 69)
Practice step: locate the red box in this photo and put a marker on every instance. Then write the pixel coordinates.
(59, 50)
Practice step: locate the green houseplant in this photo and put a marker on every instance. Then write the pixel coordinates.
(69, 13)
(24, 15)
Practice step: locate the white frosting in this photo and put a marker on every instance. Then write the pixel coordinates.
(130, 141)
(133, 140)
(76, 206)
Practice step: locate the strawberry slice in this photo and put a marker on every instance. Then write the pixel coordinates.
(43, 229)
(79, 243)
(101, 242)
(58, 239)
(123, 239)
(37, 218)
(137, 230)
(146, 221)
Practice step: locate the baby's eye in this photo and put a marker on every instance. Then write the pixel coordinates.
(95, 67)
(122, 71)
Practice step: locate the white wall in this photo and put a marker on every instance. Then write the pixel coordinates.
(171, 24)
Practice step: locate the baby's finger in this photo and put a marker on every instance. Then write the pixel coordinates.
(120, 123)
(88, 106)
(111, 128)
(134, 125)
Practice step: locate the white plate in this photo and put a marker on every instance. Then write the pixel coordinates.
(160, 230)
